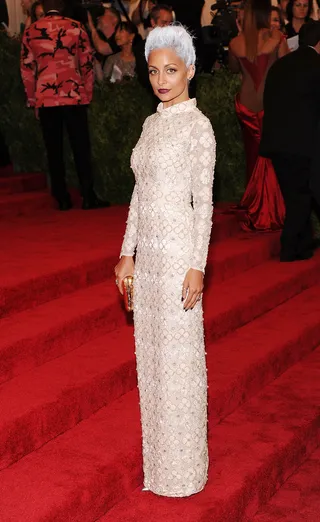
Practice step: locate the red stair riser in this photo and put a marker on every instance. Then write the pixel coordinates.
(33, 293)
(34, 351)
(222, 400)
(18, 184)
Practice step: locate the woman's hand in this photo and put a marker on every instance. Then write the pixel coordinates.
(192, 288)
(124, 268)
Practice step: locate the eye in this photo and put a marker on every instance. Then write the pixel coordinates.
(152, 72)
(171, 70)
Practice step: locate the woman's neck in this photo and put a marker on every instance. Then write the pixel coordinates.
(126, 52)
(297, 23)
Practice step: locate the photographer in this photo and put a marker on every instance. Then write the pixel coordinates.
(219, 25)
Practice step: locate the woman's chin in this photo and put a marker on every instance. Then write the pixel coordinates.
(163, 97)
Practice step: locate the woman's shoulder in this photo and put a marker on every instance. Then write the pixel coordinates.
(201, 122)
(277, 35)
(236, 46)
(113, 58)
(148, 121)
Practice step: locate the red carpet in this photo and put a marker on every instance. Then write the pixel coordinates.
(69, 426)
(299, 499)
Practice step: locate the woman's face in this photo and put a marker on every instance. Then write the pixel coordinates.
(39, 12)
(275, 20)
(283, 6)
(169, 76)
(300, 9)
(26, 5)
(123, 37)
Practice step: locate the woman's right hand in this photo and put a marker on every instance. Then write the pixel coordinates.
(124, 268)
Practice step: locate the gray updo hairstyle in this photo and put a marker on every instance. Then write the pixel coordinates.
(175, 37)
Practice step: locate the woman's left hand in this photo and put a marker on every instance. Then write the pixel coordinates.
(192, 288)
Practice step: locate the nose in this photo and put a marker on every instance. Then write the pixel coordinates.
(161, 78)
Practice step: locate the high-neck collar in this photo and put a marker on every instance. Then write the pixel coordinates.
(178, 108)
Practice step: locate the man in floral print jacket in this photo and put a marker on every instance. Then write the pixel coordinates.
(57, 72)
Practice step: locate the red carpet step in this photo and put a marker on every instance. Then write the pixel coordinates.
(24, 204)
(98, 372)
(252, 453)
(42, 330)
(63, 324)
(70, 434)
(7, 171)
(22, 183)
(57, 253)
(88, 469)
(298, 500)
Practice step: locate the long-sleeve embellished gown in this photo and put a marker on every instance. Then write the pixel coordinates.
(169, 227)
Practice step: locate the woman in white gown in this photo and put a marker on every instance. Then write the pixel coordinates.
(168, 228)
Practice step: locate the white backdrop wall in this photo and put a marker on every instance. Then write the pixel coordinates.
(16, 15)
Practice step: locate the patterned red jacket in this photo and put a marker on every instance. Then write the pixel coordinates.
(57, 63)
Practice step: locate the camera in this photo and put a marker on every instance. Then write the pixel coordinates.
(78, 9)
(223, 27)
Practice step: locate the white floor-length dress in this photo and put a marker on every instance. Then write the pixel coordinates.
(169, 227)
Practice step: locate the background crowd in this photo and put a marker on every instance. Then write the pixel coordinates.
(213, 28)
(248, 38)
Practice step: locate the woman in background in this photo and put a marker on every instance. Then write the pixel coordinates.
(298, 13)
(252, 53)
(122, 64)
(36, 11)
(26, 8)
(276, 19)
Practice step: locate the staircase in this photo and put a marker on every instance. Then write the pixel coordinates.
(70, 437)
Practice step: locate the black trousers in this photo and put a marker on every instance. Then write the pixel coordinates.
(53, 121)
(4, 152)
(294, 176)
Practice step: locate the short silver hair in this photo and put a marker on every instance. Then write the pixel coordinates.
(174, 37)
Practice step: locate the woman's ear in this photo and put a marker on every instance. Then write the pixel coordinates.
(191, 72)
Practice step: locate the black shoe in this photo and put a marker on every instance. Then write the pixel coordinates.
(65, 204)
(93, 203)
(284, 258)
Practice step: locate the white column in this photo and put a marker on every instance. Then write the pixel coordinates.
(16, 15)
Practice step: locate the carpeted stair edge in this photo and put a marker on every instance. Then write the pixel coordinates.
(298, 500)
(252, 453)
(62, 325)
(31, 292)
(90, 468)
(22, 183)
(98, 372)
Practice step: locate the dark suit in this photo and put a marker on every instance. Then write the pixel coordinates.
(289, 137)
(3, 14)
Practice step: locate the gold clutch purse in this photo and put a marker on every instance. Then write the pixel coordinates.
(128, 293)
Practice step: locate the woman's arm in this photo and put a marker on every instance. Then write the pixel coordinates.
(130, 238)
(283, 47)
(233, 61)
(98, 70)
(203, 158)
(100, 46)
(108, 67)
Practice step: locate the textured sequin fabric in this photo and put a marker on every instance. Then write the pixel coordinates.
(168, 227)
